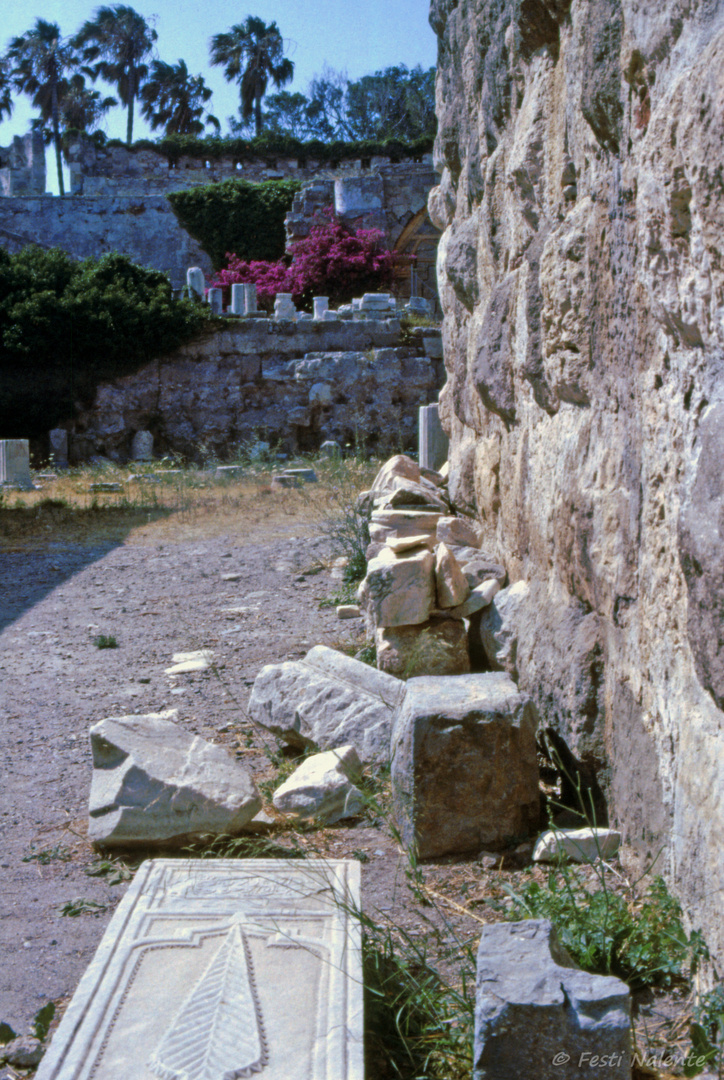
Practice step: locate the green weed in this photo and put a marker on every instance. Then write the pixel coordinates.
(113, 870)
(48, 855)
(42, 1020)
(80, 906)
(105, 641)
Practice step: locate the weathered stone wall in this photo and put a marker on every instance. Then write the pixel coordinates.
(144, 228)
(22, 165)
(297, 384)
(116, 170)
(581, 277)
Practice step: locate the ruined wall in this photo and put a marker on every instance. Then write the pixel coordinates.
(118, 170)
(145, 229)
(297, 384)
(22, 165)
(581, 277)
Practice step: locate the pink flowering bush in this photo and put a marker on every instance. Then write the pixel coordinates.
(334, 260)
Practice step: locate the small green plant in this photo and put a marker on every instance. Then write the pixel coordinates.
(42, 1021)
(47, 855)
(105, 641)
(80, 906)
(6, 1034)
(346, 594)
(418, 1026)
(707, 1034)
(367, 654)
(113, 870)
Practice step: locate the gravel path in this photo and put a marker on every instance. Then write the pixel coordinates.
(54, 682)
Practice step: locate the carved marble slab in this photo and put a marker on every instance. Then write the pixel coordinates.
(222, 969)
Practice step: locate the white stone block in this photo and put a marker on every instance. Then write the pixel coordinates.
(216, 301)
(142, 446)
(322, 787)
(399, 590)
(576, 845)
(214, 968)
(195, 281)
(250, 301)
(154, 782)
(321, 304)
(433, 442)
(238, 299)
(15, 462)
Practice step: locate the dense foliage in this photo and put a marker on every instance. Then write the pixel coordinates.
(393, 103)
(65, 326)
(237, 215)
(334, 260)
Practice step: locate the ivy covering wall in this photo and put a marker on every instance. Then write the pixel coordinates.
(237, 216)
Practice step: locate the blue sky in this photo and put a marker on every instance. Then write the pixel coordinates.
(357, 38)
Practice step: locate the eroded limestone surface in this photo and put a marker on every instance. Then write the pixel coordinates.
(580, 270)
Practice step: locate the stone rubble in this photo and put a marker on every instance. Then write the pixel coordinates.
(155, 783)
(323, 787)
(576, 845)
(327, 700)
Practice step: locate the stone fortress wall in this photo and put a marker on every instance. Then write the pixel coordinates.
(118, 202)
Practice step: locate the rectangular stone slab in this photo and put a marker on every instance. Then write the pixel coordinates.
(213, 968)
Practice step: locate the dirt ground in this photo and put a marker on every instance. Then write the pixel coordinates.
(158, 583)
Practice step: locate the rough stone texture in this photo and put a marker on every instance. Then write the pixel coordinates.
(450, 582)
(261, 375)
(576, 845)
(464, 768)
(327, 700)
(153, 783)
(436, 647)
(22, 165)
(581, 282)
(322, 787)
(399, 590)
(537, 1015)
(144, 228)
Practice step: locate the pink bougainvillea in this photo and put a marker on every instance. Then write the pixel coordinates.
(334, 260)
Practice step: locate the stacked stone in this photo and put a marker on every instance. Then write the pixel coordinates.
(427, 576)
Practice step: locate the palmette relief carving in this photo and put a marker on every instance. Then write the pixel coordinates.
(218, 1033)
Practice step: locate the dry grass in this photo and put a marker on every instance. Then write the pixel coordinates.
(163, 505)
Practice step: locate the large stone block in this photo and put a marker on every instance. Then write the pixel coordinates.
(221, 968)
(15, 463)
(155, 783)
(327, 700)
(399, 589)
(537, 1015)
(464, 767)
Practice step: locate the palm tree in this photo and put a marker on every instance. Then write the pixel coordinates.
(38, 59)
(6, 100)
(81, 108)
(174, 100)
(116, 42)
(251, 53)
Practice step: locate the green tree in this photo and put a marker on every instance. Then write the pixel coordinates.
(288, 113)
(252, 53)
(117, 41)
(174, 100)
(81, 108)
(38, 59)
(6, 98)
(394, 103)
